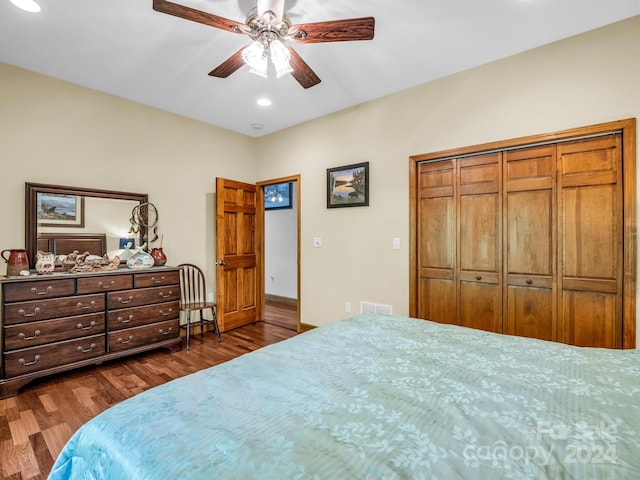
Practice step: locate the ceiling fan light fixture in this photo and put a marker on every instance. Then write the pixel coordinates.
(254, 56)
(280, 57)
(276, 7)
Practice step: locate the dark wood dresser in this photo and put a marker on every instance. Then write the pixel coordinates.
(53, 323)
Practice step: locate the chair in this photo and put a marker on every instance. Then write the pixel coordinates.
(193, 298)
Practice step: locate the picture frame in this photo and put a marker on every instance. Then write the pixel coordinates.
(348, 186)
(57, 210)
(278, 196)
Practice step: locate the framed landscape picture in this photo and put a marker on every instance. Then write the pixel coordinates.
(277, 196)
(348, 186)
(60, 210)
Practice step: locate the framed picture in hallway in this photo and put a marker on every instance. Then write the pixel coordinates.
(277, 196)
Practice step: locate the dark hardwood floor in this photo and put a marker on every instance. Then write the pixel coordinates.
(35, 425)
(281, 311)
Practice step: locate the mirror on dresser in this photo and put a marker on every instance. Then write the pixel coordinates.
(93, 219)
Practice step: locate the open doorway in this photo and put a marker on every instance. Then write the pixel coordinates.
(280, 266)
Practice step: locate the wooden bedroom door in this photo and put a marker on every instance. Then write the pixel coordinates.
(236, 255)
(530, 242)
(591, 242)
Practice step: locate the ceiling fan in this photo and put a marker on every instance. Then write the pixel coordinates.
(269, 28)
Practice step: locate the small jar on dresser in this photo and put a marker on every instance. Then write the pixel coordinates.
(57, 322)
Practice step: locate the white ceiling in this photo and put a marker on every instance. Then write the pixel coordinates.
(125, 48)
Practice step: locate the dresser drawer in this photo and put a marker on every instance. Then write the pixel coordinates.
(34, 359)
(139, 336)
(39, 289)
(157, 279)
(144, 296)
(104, 283)
(48, 331)
(137, 316)
(21, 312)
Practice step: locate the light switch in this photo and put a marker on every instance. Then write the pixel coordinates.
(317, 242)
(396, 243)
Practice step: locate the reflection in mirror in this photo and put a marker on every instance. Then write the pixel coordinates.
(62, 219)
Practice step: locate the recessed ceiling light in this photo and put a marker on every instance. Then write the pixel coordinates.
(27, 5)
(264, 102)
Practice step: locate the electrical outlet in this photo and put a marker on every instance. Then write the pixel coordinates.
(347, 307)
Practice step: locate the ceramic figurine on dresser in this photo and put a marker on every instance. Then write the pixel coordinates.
(45, 262)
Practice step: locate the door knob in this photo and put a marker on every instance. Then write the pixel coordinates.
(221, 262)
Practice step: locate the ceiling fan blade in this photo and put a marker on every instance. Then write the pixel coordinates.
(301, 71)
(196, 15)
(333, 31)
(230, 65)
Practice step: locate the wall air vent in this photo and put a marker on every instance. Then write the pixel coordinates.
(368, 307)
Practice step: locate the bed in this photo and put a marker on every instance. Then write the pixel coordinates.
(378, 397)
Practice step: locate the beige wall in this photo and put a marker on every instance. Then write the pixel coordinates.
(588, 79)
(53, 132)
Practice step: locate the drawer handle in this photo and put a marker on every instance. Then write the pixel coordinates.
(106, 287)
(123, 301)
(22, 336)
(122, 320)
(166, 314)
(91, 325)
(36, 311)
(120, 340)
(529, 281)
(478, 277)
(153, 279)
(80, 305)
(22, 361)
(162, 332)
(162, 294)
(91, 347)
(47, 290)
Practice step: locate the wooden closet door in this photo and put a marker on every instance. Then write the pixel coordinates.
(437, 252)
(591, 242)
(530, 239)
(480, 242)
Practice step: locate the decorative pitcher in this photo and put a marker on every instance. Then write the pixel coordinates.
(158, 256)
(45, 262)
(16, 261)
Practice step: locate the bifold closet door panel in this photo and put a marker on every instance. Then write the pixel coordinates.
(437, 254)
(591, 242)
(530, 240)
(479, 242)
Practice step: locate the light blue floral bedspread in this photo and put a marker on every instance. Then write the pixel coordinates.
(379, 397)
